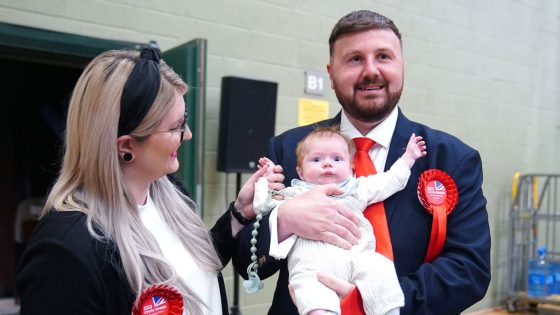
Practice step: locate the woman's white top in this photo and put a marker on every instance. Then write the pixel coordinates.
(203, 282)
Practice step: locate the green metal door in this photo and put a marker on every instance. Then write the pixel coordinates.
(189, 61)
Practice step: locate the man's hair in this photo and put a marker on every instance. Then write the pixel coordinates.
(324, 132)
(358, 21)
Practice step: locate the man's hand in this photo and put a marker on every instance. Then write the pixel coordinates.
(341, 287)
(316, 216)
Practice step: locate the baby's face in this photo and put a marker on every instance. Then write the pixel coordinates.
(326, 161)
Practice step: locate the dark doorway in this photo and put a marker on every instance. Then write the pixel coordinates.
(35, 95)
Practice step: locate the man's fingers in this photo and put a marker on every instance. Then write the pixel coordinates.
(275, 177)
(316, 216)
(347, 233)
(276, 186)
(336, 240)
(341, 231)
(278, 169)
(342, 288)
(329, 190)
(348, 219)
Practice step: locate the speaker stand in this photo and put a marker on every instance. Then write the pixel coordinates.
(234, 309)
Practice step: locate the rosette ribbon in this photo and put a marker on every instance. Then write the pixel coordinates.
(159, 300)
(437, 193)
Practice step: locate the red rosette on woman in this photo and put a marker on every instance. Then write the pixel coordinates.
(438, 194)
(159, 300)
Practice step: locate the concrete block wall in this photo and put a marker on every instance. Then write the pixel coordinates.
(485, 71)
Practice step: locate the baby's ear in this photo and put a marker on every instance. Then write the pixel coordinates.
(299, 172)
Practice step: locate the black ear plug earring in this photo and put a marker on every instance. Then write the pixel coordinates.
(127, 157)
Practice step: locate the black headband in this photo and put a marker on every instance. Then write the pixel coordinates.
(140, 90)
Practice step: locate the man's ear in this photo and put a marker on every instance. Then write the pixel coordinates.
(124, 145)
(299, 172)
(329, 70)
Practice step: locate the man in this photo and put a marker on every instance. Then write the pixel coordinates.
(366, 70)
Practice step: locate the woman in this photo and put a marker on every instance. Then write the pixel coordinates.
(114, 226)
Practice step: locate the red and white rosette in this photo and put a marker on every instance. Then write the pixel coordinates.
(159, 300)
(438, 194)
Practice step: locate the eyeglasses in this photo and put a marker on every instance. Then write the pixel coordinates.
(180, 129)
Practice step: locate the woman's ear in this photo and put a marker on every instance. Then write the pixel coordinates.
(124, 145)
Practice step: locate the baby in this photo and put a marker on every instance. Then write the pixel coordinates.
(326, 156)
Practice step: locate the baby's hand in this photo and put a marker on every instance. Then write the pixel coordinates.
(415, 149)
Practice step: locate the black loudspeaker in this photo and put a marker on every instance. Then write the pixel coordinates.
(247, 119)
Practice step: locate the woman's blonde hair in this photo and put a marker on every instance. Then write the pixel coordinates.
(92, 181)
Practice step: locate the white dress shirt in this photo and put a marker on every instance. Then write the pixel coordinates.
(203, 282)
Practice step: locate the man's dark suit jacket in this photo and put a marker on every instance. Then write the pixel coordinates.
(458, 278)
(65, 271)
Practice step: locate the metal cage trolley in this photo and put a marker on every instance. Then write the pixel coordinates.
(533, 222)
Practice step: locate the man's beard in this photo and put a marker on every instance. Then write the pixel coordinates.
(368, 114)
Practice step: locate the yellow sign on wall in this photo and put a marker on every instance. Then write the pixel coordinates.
(311, 111)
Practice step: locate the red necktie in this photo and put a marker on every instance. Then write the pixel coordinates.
(375, 213)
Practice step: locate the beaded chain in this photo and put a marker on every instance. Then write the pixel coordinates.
(254, 284)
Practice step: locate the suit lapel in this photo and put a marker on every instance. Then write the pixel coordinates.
(331, 122)
(403, 130)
